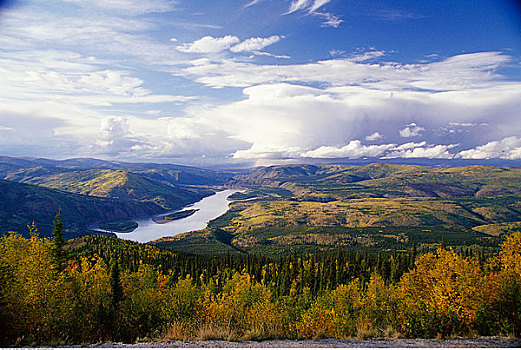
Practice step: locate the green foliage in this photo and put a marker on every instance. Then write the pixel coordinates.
(120, 225)
(58, 242)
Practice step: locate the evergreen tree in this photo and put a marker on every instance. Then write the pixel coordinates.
(115, 285)
(58, 242)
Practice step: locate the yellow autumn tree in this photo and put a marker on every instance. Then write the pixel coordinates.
(501, 309)
(334, 314)
(441, 295)
(244, 308)
(31, 288)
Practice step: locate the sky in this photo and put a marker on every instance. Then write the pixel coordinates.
(260, 82)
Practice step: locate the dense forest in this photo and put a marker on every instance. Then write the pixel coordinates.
(98, 288)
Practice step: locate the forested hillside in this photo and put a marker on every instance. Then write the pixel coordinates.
(91, 191)
(121, 184)
(22, 204)
(103, 289)
(376, 206)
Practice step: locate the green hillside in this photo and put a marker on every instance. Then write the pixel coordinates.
(376, 206)
(121, 184)
(22, 170)
(23, 203)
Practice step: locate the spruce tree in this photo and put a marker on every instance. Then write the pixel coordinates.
(115, 284)
(57, 243)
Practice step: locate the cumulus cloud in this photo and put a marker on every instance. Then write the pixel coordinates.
(507, 148)
(255, 44)
(114, 127)
(411, 130)
(409, 145)
(374, 136)
(417, 151)
(354, 149)
(209, 44)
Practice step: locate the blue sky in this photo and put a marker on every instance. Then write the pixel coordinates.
(260, 82)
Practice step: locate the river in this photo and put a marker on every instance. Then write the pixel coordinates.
(209, 208)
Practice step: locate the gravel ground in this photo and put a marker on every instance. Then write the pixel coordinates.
(484, 342)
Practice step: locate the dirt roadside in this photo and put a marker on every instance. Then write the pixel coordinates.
(483, 342)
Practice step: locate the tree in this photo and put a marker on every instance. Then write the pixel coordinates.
(115, 285)
(58, 242)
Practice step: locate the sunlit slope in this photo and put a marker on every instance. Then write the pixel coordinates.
(22, 170)
(121, 184)
(381, 195)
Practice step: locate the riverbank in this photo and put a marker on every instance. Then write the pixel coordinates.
(482, 342)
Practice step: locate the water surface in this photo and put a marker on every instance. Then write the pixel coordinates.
(209, 208)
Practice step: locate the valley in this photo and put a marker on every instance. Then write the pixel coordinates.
(303, 208)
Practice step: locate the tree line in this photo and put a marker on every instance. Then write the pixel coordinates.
(102, 289)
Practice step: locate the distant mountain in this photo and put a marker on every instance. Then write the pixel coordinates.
(380, 180)
(20, 204)
(22, 169)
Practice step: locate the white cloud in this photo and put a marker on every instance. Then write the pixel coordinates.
(411, 130)
(255, 44)
(116, 82)
(129, 7)
(297, 5)
(114, 127)
(330, 20)
(368, 55)
(354, 149)
(374, 136)
(507, 148)
(317, 4)
(411, 151)
(312, 7)
(101, 33)
(459, 73)
(251, 3)
(309, 5)
(409, 145)
(467, 124)
(209, 44)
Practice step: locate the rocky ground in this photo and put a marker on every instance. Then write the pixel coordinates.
(483, 342)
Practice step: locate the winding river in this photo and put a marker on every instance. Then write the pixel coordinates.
(209, 208)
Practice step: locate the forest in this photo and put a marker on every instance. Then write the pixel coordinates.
(100, 289)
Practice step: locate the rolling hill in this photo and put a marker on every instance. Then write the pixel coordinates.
(22, 169)
(121, 184)
(92, 190)
(23, 203)
(376, 206)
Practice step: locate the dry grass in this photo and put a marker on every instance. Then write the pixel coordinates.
(211, 332)
(178, 331)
